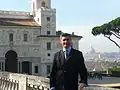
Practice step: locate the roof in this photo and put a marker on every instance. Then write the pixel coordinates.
(58, 36)
(58, 33)
(18, 22)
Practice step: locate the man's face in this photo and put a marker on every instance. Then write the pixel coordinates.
(65, 41)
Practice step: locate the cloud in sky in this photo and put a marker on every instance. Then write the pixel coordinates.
(100, 43)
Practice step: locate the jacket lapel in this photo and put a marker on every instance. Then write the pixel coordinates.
(62, 56)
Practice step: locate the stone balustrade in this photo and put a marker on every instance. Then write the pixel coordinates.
(98, 88)
(8, 84)
(15, 81)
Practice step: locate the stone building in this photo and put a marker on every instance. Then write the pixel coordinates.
(28, 40)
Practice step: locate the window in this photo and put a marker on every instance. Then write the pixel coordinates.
(48, 45)
(25, 37)
(48, 18)
(48, 32)
(40, 30)
(0, 66)
(36, 69)
(48, 69)
(48, 26)
(38, 19)
(19, 66)
(48, 54)
(11, 37)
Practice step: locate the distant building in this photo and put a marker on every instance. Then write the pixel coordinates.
(92, 55)
(111, 56)
(28, 40)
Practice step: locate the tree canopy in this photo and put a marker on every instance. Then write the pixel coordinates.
(109, 29)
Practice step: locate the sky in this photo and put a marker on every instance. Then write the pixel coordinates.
(78, 16)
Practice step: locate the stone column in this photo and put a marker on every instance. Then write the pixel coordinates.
(33, 69)
(30, 67)
(20, 67)
(3, 65)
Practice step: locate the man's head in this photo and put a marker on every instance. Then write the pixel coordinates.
(65, 40)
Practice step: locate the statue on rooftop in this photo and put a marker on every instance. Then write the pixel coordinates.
(43, 3)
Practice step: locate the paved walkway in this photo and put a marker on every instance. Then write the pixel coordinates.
(105, 80)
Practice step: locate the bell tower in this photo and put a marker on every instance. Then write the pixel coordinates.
(45, 16)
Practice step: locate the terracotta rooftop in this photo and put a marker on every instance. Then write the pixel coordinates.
(18, 22)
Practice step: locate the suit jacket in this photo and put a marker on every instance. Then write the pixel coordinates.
(65, 71)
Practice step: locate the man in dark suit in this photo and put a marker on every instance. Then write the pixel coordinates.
(68, 63)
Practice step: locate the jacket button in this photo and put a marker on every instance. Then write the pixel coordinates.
(64, 70)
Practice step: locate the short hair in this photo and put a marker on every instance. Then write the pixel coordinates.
(65, 35)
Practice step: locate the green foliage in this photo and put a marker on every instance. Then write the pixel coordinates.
(106, 28)
(114, 69)
(115, 22)
(58, 32)
(115, 72)
(109, 29)
(96, 30)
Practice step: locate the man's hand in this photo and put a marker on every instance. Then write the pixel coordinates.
(53, 88)
(82, 85)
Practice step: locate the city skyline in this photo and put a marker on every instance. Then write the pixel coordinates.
(78, 16)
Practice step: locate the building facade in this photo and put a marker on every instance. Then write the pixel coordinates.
(28, 40)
